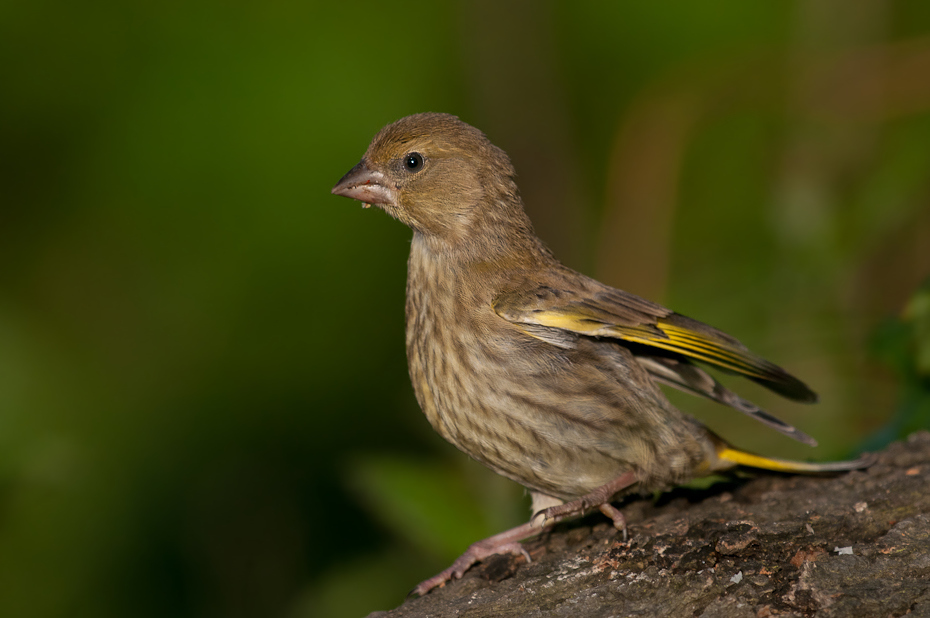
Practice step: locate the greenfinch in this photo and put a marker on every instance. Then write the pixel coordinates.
(546, 376)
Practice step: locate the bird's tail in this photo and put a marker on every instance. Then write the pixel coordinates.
(728, 457)
(736, 457)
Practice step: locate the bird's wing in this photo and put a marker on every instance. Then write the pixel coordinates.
(663, 341)
(684, 376)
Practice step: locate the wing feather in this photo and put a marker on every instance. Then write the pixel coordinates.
(591, 309)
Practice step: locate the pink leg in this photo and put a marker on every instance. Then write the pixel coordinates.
(506, 542)
(599, 497)
(616, 516)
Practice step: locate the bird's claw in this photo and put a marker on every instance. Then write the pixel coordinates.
(615, 516)
(476, 553)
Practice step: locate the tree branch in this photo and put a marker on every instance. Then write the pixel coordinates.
(851, 545)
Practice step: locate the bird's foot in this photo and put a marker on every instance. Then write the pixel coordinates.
(507, 542)
(615, 516)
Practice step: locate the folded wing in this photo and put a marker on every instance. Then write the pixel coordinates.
(664, 342)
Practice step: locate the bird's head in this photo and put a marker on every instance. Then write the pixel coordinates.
(437, 174)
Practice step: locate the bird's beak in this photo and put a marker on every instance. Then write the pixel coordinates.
(367, 186)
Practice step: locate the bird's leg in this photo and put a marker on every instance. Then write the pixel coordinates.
(600, 498)
(507, 542)
(544, 516)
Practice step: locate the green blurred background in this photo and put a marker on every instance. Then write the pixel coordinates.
(204, 402)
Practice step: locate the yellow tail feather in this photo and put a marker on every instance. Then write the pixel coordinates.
(742, 458)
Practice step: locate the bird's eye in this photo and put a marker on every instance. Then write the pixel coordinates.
(413, 162)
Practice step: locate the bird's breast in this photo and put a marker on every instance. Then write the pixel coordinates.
(557, 420)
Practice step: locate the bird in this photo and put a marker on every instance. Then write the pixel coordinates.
(546, 376)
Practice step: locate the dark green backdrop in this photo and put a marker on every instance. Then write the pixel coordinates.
(204, 405)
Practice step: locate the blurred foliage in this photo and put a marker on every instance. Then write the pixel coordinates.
(204, 403)
(903, 345)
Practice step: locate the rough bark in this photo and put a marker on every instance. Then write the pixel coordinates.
(857, 544)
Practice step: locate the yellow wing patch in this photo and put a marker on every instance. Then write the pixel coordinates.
(604, 316)
(662, 335)
(574, 323)
(698, 347)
